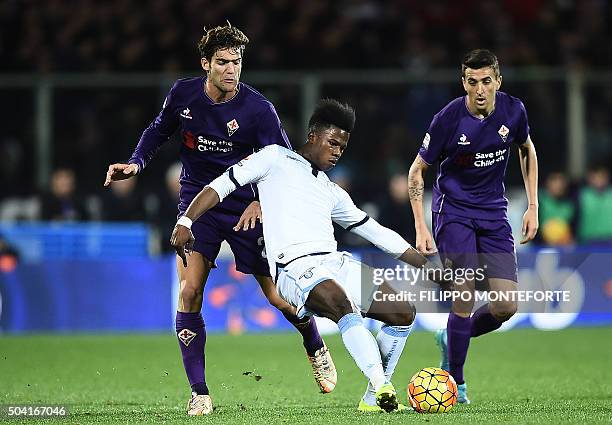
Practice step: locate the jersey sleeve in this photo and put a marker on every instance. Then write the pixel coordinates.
(157, 133)
(253, 169)
(522, 126)
(344, 212)
(347, 215)
(433, 142)
(270, 130)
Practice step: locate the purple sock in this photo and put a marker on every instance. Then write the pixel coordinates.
(191, 334)
(483, 322)
(458, 331)
(308, 328)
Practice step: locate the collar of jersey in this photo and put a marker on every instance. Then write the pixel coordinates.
(474, 116)
(306, 161)
(212, 102)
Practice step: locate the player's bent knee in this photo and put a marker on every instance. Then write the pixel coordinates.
(405, 317)
(408, 315)
(190, 293)
(504, 310)
(327, 299)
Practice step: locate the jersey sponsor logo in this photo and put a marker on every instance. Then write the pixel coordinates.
(186, 336)
(186, 113)
(426, 141)
(486, 159)
(203, 144)
(232, 126)
(189, 139)
(503, 133)
(465, 160)
(463, 140)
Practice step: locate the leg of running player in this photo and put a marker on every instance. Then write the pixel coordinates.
(317, 352)
(398, 319)
(190, 329)
(459, 334)
(328, 299)
(495, 246)
(492, 315)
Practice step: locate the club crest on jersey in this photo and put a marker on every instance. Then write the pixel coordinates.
(232, 126)
(503, 133)
(186, 113)
(463, 140)
(186, 336)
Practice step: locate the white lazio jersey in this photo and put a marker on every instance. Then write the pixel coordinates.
(298, 203)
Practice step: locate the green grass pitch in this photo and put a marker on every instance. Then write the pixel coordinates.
(522, 376)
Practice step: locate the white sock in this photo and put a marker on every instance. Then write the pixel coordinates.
(391, 341)
(362, 346)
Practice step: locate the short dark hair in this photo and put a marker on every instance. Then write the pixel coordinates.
(480, 58)
(330, 112)
(219, 38)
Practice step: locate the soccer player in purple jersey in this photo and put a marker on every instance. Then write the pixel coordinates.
(221, 121)
(470, 138)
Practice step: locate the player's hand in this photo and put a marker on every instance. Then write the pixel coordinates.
(249, 217)
(530, 224)
(120, 172)
(182, 240)
(424, 242)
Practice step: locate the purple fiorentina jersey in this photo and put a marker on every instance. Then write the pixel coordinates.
(473, 155)
(215, 137)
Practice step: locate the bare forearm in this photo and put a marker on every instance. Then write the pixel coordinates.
(413, 257)
(203, 201)
(416, 189)
(529, 169)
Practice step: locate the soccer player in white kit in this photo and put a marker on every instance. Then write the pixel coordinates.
(299, 204)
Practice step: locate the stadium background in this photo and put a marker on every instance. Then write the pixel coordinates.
(80, 81)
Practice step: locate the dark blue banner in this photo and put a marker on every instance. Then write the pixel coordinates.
(135, 295)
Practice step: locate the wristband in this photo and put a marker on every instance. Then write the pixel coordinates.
(185, 221)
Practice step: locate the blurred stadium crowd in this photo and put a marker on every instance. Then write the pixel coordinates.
(160, 35)
(93, 128)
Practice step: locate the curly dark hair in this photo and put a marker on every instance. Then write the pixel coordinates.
(331, 112)
(219, 38)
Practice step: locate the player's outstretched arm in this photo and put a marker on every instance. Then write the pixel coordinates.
(120, 172)
(529, 169)
(416, 188)
(393, 244)
(434, 272)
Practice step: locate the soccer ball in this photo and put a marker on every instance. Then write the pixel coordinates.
(432, 390)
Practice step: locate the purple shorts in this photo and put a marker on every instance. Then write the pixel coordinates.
(473, 243)
(248, 246)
